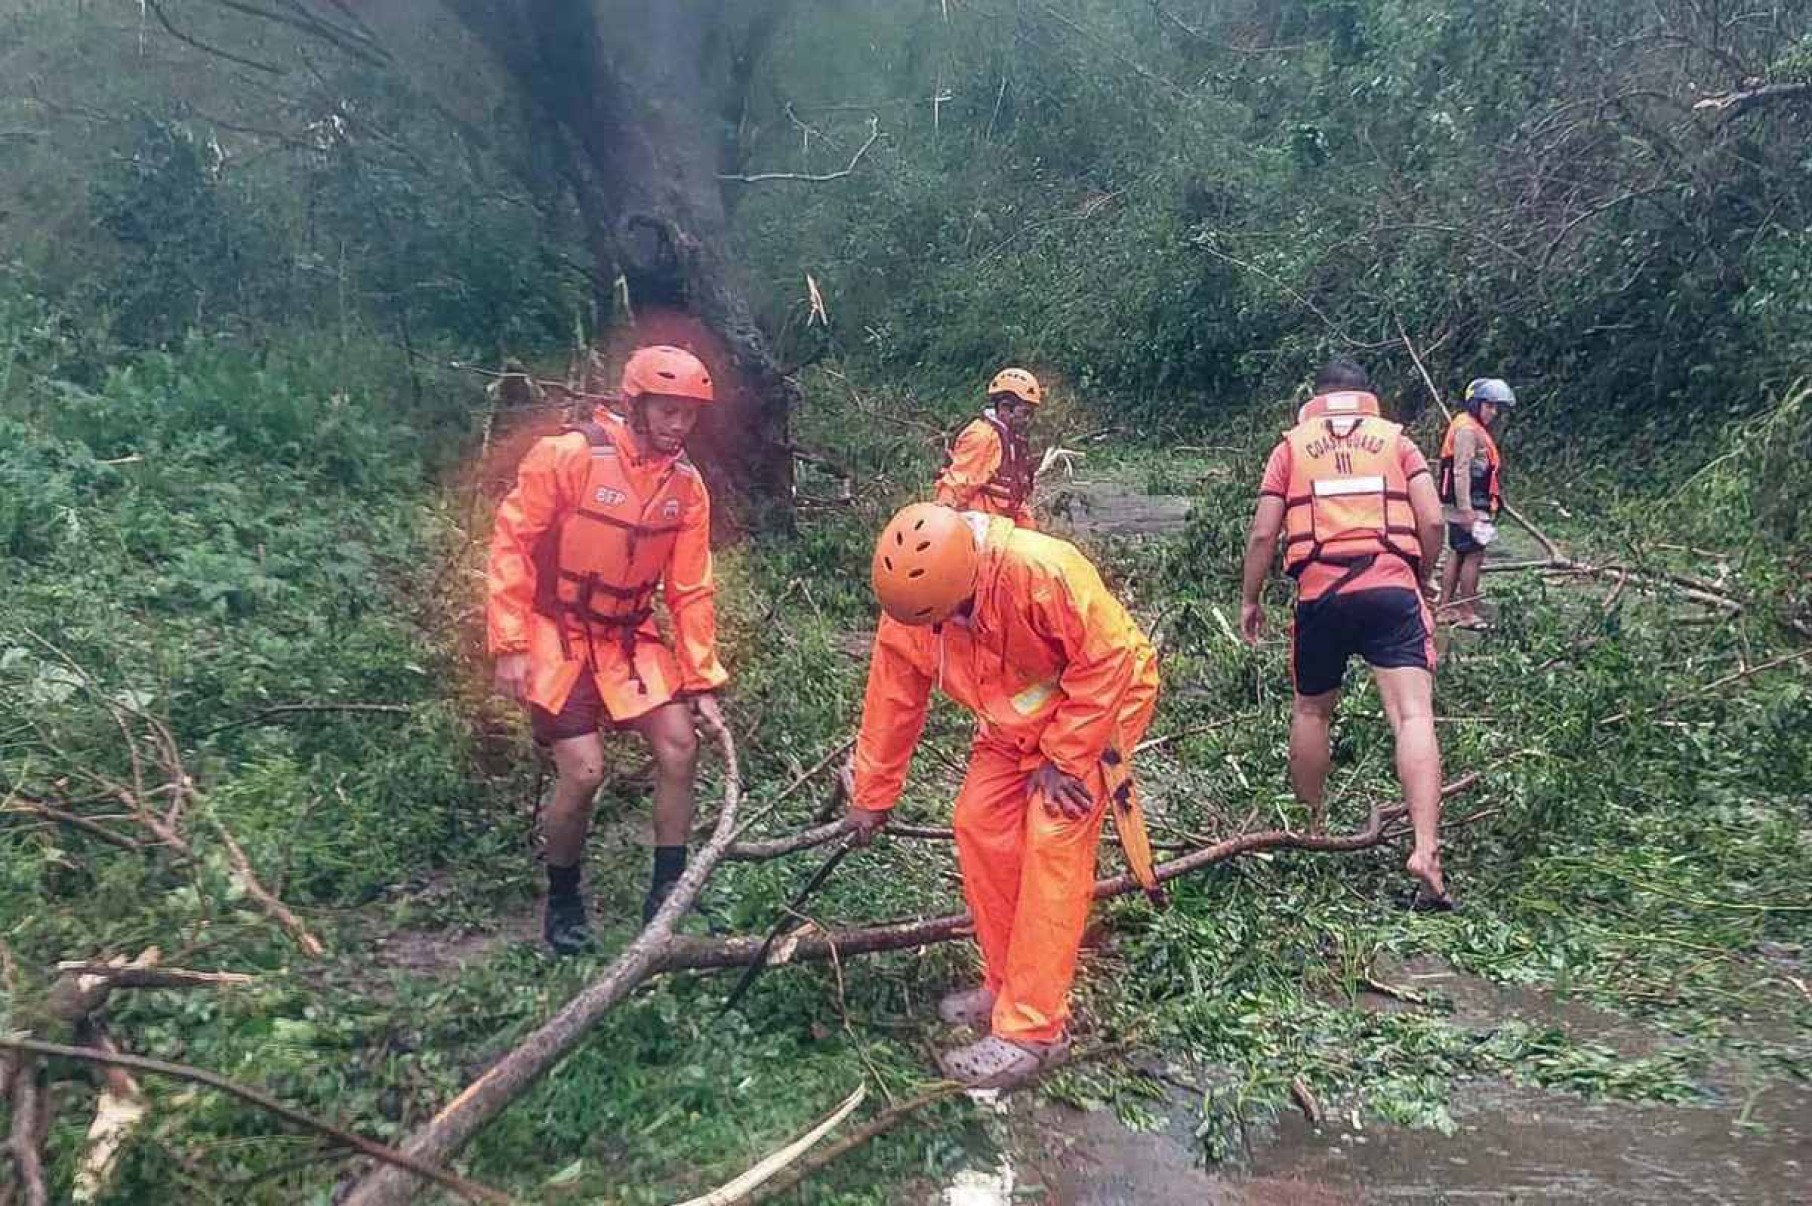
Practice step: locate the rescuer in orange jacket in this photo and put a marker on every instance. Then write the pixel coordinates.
(990, 466)
(1469, 455)
(604, 516)
(1018, 628)
(1361, 521)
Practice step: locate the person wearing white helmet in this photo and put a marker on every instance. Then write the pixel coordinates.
(1471, 496)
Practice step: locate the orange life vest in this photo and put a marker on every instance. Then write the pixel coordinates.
(1485, 492)
(599, 566)
(1011, 484)
(1339, 402)
(1347, 501)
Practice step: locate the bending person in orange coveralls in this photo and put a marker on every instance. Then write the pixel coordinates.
(990, 466)
(1018, 628)
(603, 516)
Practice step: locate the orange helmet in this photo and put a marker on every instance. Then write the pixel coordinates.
(661, 369)
(1019, 383)
(925, 564)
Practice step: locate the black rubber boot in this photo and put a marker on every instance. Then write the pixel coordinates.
(566, 927)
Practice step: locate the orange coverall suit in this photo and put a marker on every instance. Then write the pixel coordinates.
(654, 500)
(1055, 670)
(981, 477)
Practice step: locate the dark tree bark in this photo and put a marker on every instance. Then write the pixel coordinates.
(635, 89)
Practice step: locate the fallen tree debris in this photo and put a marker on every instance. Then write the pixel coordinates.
(470, 1190)
(659, 950)
(449, 1130)
(773, 1164)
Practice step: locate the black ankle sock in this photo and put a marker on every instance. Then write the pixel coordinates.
(669, 864)
(563, 881)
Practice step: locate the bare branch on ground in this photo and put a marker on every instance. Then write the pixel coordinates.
(470, 1190)
(510, 1076)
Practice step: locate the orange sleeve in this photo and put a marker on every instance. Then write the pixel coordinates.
(1410, 458)
(1101, 645)
(529, 510)
(1277, 472)
(973, 463)
(690, 588)
(893, 716)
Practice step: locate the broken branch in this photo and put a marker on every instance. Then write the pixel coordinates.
(688, 953)
(470, 1190)
(771, 1165)
(274, 908)
(874, 133)
(509, 1077)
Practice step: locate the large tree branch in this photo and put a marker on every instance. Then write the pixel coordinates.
(504, 1081)
(687, 953)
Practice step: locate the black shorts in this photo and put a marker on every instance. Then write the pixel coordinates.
(1386, 626)
(582, 713)
(1459, 539)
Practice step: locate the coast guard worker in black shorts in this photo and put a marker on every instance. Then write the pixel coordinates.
(1361, 521)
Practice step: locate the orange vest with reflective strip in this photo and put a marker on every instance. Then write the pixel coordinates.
(600, 565)
(1485, 492)
(1347, 499)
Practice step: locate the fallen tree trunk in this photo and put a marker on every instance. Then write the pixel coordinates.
(448, 1131)
(687, 953)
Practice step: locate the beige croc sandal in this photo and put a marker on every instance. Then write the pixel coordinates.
(996, 1063)
(970, 1007)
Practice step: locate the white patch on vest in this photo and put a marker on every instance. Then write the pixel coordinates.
(670, 509)
(608, 497)
(1338, 486)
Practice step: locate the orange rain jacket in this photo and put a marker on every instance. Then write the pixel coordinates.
(989, 470)
(1054, 669)
(628, 521)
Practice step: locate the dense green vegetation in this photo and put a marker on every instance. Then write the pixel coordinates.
(233, 477)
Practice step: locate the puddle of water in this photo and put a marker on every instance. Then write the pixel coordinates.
(1513, 1144)
(1479, 1004)
(1525, 1145)
(1114, 509)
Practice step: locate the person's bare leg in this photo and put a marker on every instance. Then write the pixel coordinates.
(579, 769)
(674, 743)
(1408, 695)
(1450, 585)
(1311, 751)
(1468, 584)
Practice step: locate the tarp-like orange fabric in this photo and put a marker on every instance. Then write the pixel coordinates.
(548, 484)
(1054, 669)
(974, 461)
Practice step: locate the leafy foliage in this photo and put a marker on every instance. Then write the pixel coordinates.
(228, 481)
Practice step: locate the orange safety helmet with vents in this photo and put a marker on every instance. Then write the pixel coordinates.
(1019, 383)
(662, 369)
(925, 564)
